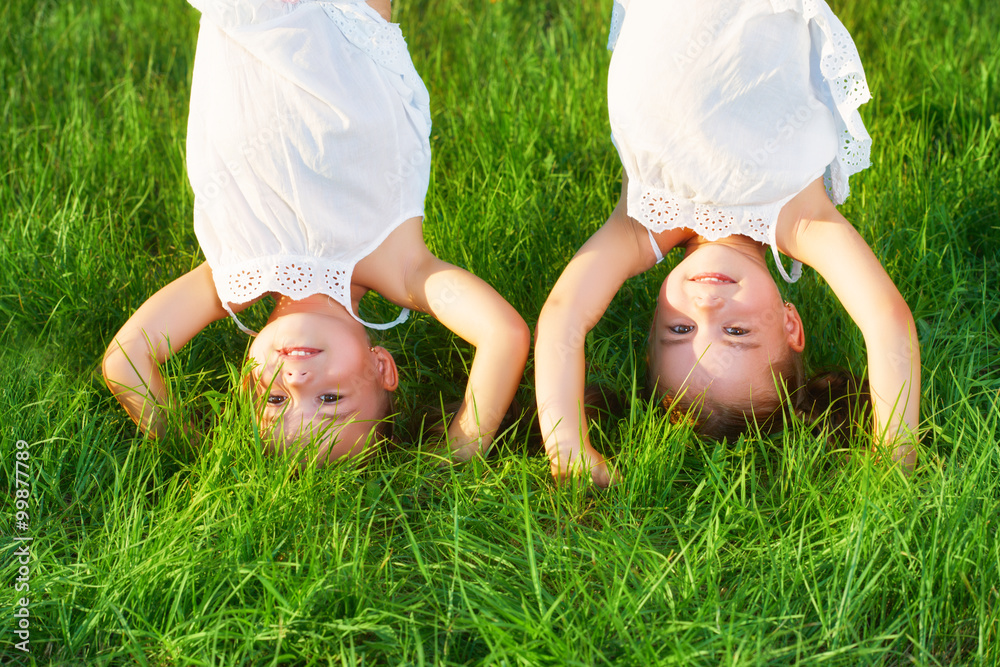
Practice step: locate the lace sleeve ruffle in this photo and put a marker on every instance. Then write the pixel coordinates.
(385, 45)
(844, 74)
(617, 17)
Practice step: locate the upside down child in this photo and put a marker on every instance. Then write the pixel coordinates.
(309, 156)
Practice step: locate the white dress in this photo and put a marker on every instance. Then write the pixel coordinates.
(308, 143)
(723, 110)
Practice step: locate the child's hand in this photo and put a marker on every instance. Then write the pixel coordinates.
(617, 251)
(588, 460)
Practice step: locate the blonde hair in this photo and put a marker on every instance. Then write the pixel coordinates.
(730, 420)
(835, 404)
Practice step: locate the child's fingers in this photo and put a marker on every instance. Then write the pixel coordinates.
(569, 468)
(606, 477)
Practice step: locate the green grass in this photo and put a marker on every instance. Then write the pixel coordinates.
(762, 551)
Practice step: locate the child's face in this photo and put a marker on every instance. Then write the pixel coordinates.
(719, 325)
(319, 376)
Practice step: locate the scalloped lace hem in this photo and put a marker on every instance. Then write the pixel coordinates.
(294, 277)
(659, 210)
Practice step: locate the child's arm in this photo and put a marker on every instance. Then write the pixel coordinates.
(474, 311)
(619, 250)
(404, 271)
(160, 327)
(819, 236)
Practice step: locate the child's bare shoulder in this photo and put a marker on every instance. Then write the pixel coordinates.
(810, 227)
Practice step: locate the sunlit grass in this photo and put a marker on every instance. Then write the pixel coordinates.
(760, 551)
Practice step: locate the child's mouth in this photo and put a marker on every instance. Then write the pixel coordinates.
(712, 278)
(299, 352)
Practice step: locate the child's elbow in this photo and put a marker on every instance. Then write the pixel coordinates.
(124, 366)
(518, 337)
(899, 313)
(904, 326)
(509, 338)
(556, 315)
(894, 327)
(115, 367)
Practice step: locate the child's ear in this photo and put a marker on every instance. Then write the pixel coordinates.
(795, 332)
(385, 368)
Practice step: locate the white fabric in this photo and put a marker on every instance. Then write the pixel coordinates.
(308, 143)
(723, 110)
(617, 17)
(656, 246)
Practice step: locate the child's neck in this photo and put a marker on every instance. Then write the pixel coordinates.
(320, 304)
(743, 244)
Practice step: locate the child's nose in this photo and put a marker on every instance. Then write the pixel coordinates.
(296, 377)
(708, 302)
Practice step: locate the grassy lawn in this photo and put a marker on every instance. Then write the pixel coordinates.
(761, 551)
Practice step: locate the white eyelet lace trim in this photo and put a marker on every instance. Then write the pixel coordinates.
(841, 66)
(295, 277)
(659, 210)
(617, 16)
(384, 43)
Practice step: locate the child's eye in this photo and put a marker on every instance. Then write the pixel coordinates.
(274, 399)
(329, 398)
(681, 328)
(736, 331)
